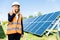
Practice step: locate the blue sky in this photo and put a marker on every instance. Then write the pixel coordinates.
(29, 7)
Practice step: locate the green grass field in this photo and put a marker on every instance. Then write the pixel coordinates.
(29, 36)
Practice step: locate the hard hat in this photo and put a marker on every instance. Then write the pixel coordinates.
(15, 3)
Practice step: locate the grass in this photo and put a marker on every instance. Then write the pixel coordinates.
(29, 36)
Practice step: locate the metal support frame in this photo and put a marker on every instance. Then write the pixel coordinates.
(58, 27)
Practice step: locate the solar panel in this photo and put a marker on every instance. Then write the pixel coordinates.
(34, 22)
(40, 24)
(28, 23)
(41, 30)
(29, 20)
(54, 18)
(37, 21)
(48, 25)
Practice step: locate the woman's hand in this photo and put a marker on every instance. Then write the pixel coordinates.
(11, 13)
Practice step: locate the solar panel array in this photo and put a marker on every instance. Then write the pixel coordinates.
(38, 25)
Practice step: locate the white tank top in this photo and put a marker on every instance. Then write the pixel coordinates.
(16, 16)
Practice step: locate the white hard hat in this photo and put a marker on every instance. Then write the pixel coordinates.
(15, 3)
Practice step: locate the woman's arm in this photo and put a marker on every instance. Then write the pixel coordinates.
(10, 17)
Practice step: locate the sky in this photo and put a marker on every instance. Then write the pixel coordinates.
(29, 7)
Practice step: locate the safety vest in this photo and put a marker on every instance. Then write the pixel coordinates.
(15, 26)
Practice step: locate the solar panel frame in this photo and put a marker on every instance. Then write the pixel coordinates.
(44, 31)
(42, 25)
(47, 28)
(54, 21)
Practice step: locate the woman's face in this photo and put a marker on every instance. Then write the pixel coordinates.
(16, 8)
